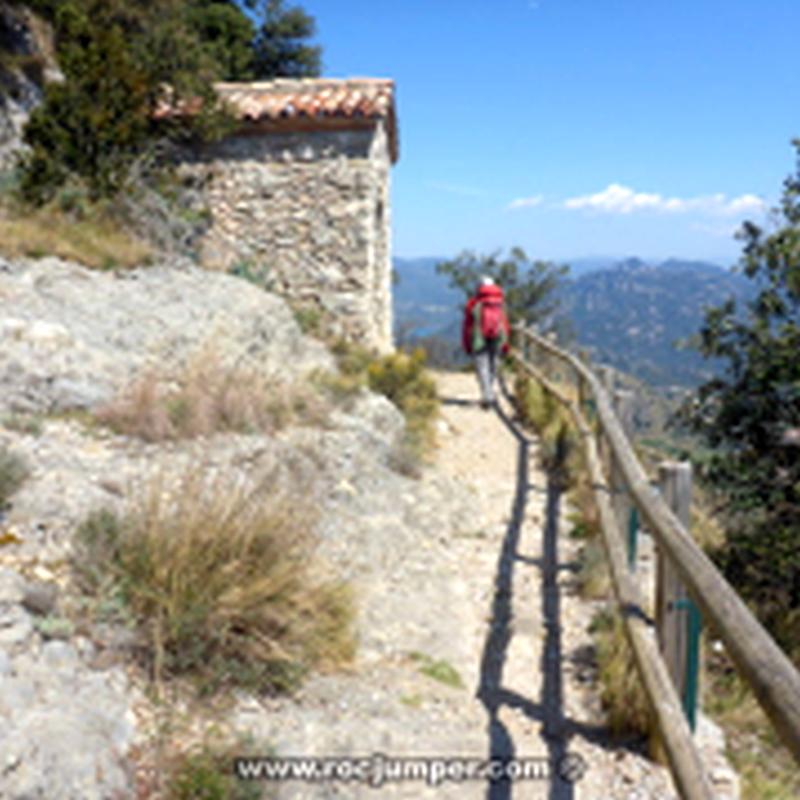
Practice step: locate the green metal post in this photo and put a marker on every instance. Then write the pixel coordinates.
(694, 623)
(633, 537)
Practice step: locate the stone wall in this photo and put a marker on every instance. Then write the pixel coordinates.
(307, 213)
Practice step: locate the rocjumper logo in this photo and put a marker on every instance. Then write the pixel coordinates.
(379, 769)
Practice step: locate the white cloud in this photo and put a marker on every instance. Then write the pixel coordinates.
(746, 203)
(618, 199)
(526, 202)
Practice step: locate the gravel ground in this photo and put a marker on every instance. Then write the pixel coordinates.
(472, 641)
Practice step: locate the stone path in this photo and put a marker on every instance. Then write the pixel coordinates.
(534, 678)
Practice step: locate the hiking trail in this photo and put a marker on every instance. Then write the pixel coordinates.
(534, 673)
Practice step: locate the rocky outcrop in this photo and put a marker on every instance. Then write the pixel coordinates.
(64, 724)
(69, 339)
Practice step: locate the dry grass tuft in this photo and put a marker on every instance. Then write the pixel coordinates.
(96, 241)
(543, 413)
(220, 582)
(765, 765)
(208, 398)
(622, 693)
(594, 577)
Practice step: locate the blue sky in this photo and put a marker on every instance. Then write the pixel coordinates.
(578, 127)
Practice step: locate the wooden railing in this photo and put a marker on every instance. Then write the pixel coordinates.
(768, 671)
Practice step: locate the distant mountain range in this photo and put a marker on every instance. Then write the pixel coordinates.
(629, 314)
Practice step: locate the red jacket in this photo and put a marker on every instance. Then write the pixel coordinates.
(492, 292)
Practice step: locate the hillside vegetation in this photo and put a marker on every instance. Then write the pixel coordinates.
(99, 141)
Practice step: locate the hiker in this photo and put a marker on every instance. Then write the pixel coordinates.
(485, 334)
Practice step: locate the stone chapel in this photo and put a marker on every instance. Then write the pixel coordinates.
(299, 194)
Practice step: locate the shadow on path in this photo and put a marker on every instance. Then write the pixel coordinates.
(549, 709)
(459, 401)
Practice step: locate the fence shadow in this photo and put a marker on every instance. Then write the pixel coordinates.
(548, 709)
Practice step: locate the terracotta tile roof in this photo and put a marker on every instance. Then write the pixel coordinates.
(315, 99)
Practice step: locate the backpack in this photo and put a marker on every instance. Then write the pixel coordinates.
(487, 316)
(491, 319)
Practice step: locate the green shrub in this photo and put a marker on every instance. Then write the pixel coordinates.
(438, 670)
(99, 121)
(309, 319)
(206, 774)
(352, 359)
(764, 764)
(403, 379)
(13, 473)
(252, 271)
(219, 582)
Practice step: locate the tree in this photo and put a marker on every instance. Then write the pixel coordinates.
(273, 44)
(226, 34)
(280, 49)
(122, 59)
(117, 59)
(529, 286)
(750, 417)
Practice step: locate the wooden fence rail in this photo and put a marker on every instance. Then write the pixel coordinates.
(766, 668)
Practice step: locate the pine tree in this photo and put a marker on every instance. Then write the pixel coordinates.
(280, 44)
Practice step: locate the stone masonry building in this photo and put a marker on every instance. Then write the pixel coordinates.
(299, 197)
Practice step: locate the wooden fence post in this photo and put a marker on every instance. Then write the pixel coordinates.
(606, 375)
(677, 617)
(627, 516)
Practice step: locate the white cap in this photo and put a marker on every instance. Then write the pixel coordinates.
(487, 281)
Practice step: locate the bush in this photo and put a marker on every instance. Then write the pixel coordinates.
(181, 763)
(13, 472)
(353, 360)
(438, 669)
(117, 58)
(309, 319)
(403, 379)
(219, 582)
(206, 774)
(209, 397)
